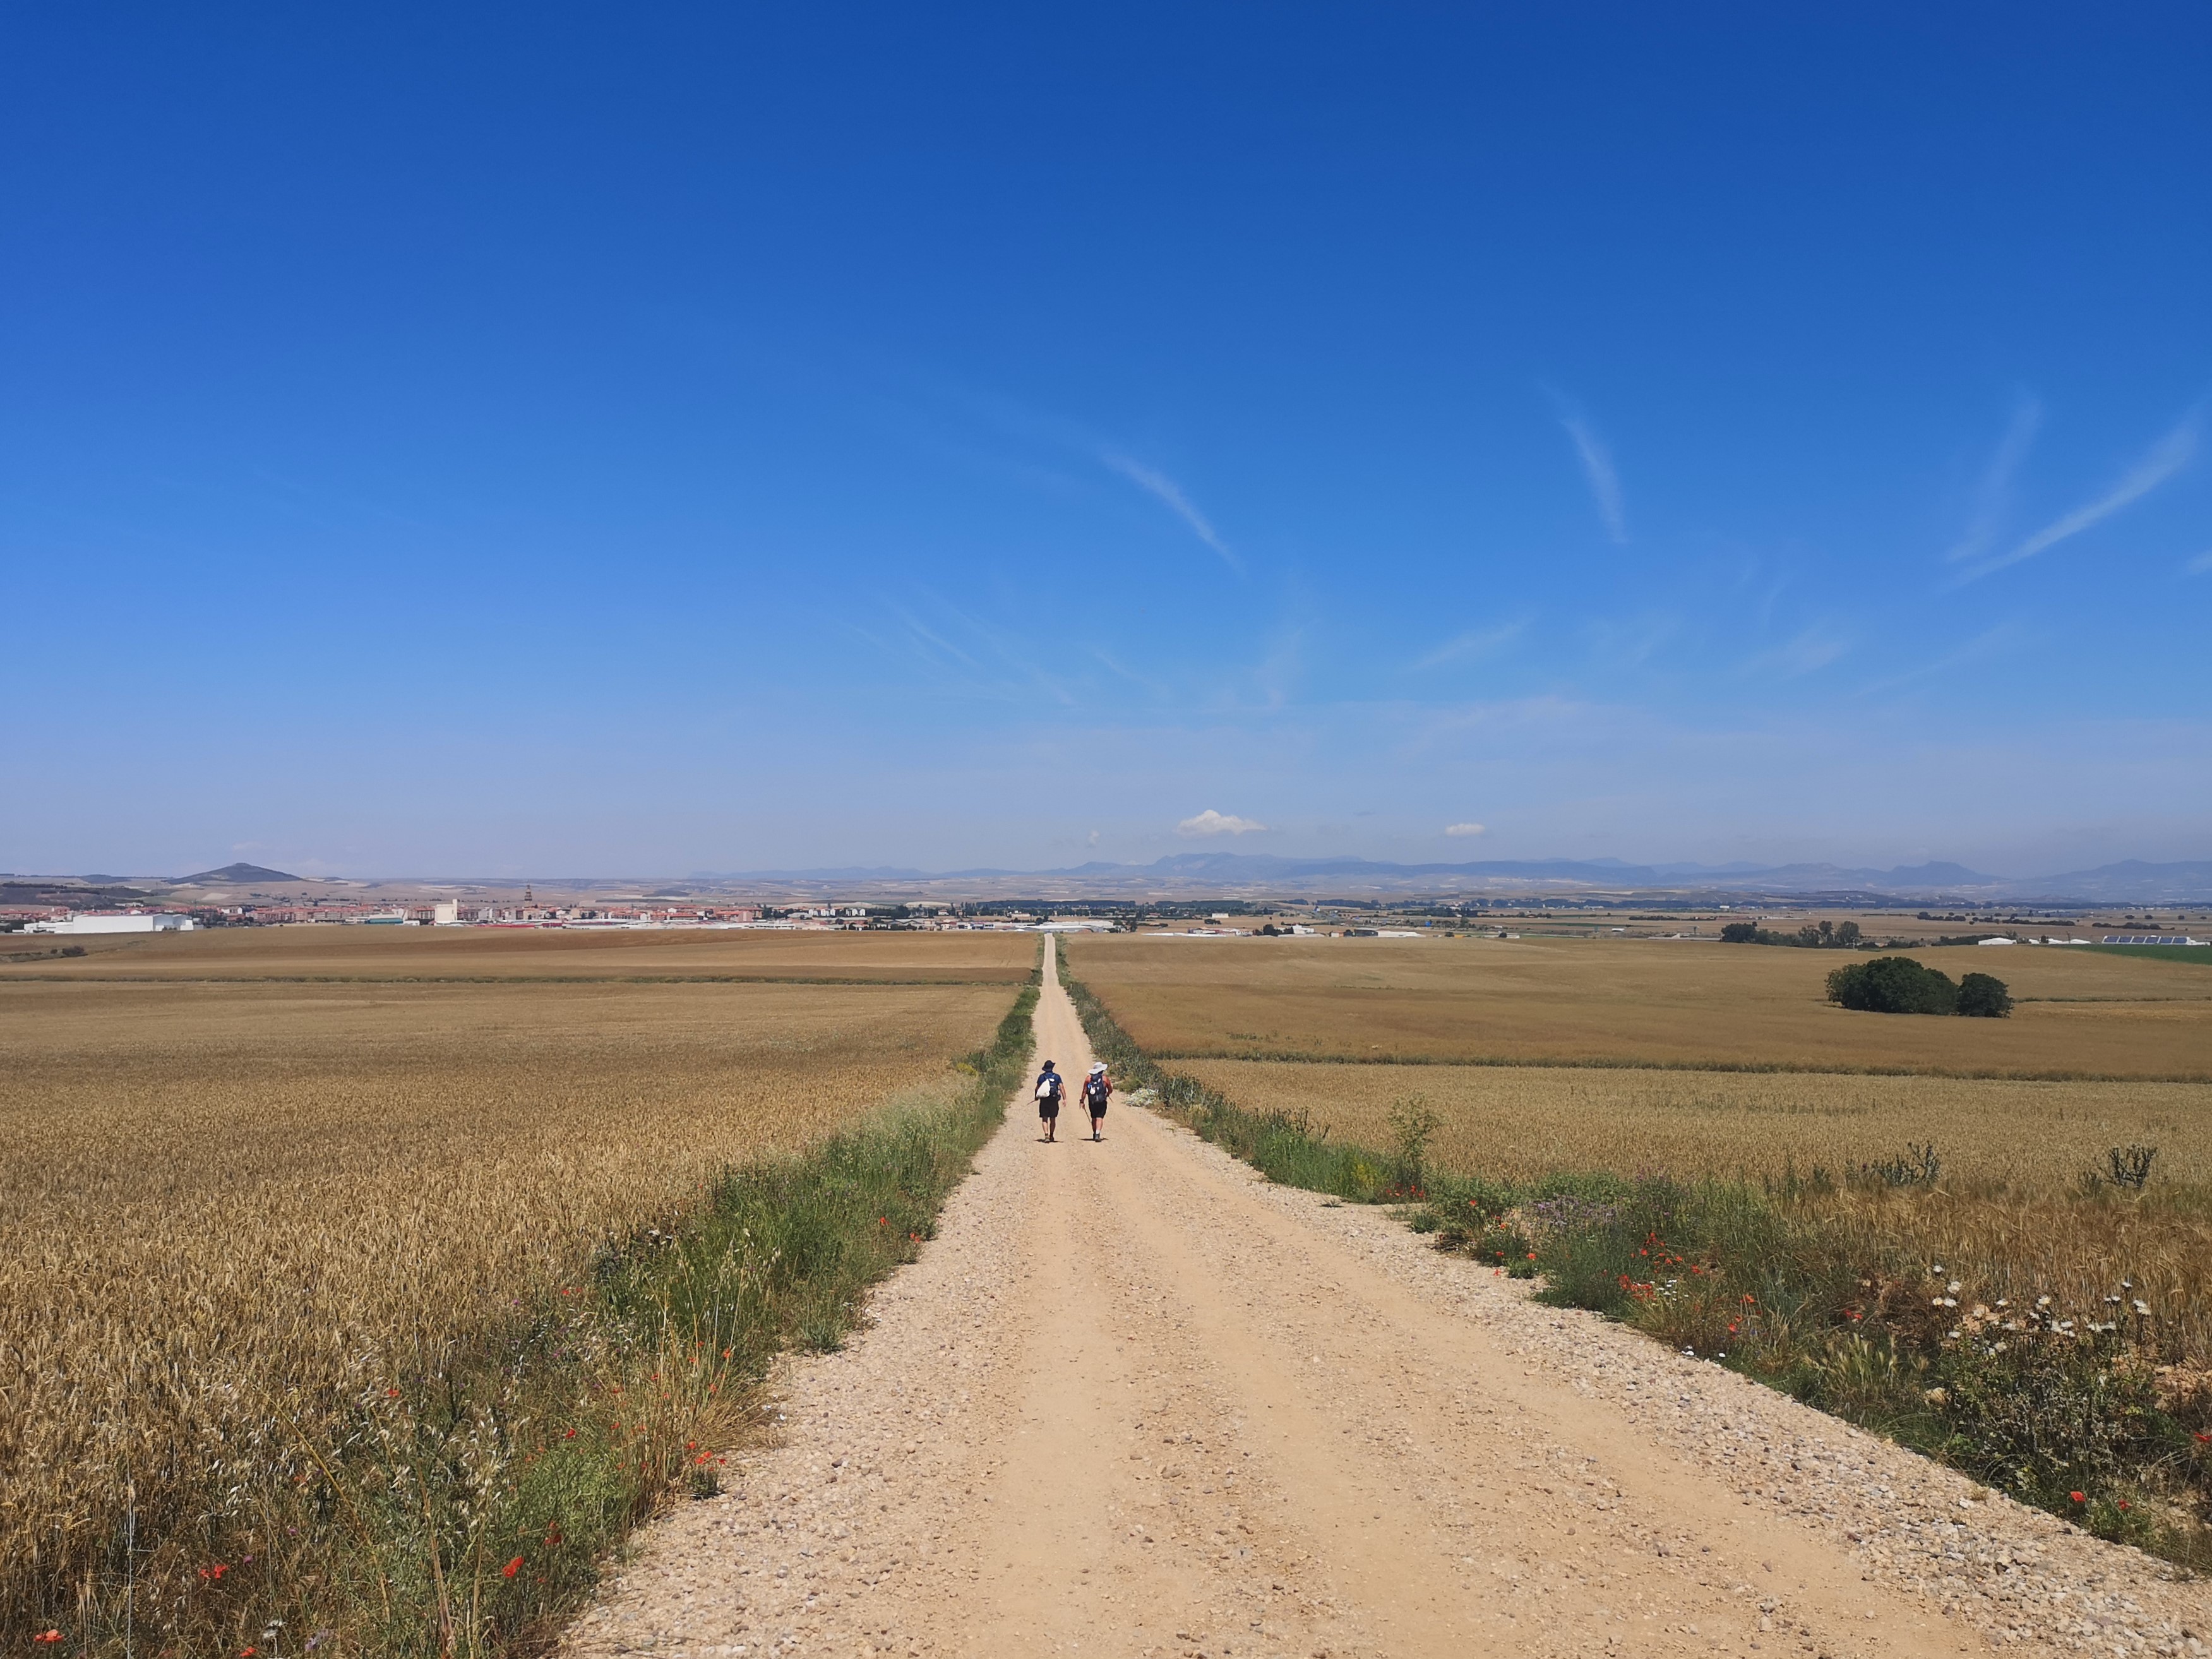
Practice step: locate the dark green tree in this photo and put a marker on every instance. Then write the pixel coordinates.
(1893, 985)
(1984, 996)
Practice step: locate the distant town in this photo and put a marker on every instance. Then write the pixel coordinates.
(1351, 919)
(252, 896)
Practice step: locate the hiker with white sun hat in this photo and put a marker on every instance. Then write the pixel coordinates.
(1098, 1089)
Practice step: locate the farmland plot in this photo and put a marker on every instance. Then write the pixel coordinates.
(331, 951)
(233, 1212)
(1638, 1002)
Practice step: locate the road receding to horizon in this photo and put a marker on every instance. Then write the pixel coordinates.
(1134, 1400)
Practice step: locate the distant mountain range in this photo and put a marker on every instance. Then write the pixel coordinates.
(2130, 882)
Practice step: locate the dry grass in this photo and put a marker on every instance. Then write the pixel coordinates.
(1639, 1003)
(231, 1213)
(328, 950)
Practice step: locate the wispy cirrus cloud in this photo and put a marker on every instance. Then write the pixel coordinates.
(1814, 649)
(1474, 642)
(1990, 643)
(2200, 565)
(1627, 642)
(2159, 463)
(1597, 468)
(1162, 488)
(1211, 822)
(980, 661)
(1993, 495)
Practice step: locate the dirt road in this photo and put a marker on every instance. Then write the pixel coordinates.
(1134, 1400)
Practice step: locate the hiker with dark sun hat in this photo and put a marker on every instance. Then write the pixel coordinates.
(1048, 1085)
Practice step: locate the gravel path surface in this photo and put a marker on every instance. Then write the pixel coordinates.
(1134, 1400)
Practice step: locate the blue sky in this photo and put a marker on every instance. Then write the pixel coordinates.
(564, 440)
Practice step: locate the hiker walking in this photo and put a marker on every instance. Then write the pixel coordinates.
(1048, 1099)
(1098, 1089)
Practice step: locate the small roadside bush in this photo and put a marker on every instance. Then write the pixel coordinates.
(1895, 985)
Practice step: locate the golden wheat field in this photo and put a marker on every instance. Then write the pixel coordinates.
(2034, 1137)
(314, 951)
(1647, 1002)
(228, 1208)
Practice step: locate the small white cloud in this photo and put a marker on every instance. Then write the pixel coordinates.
(2200, 565)
(1092, 839)
(1211, 822)
(1466, 829)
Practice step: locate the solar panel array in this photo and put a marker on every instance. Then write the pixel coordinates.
(2151, 939)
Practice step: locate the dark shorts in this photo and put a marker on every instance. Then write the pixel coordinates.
(1097, 1108)
(1047, 1108)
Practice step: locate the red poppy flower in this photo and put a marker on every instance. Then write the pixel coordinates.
(2077, 1498)
(511, 1568)
(47, 1636)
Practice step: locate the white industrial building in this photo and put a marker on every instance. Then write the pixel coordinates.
(131, 922)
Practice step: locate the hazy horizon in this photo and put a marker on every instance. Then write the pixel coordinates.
(542, 440)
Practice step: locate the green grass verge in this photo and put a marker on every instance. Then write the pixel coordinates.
(2199, 954)
(2034, 1402)
(475, 1490)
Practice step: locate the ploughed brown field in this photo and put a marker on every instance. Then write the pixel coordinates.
(1639, 1002)
(332, 951)
(229, 1206)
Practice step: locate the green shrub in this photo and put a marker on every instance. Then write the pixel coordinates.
(1893, 985)
(2045, 1417)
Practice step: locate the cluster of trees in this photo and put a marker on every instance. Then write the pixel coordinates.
(1844, 935)
(1899, 985)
